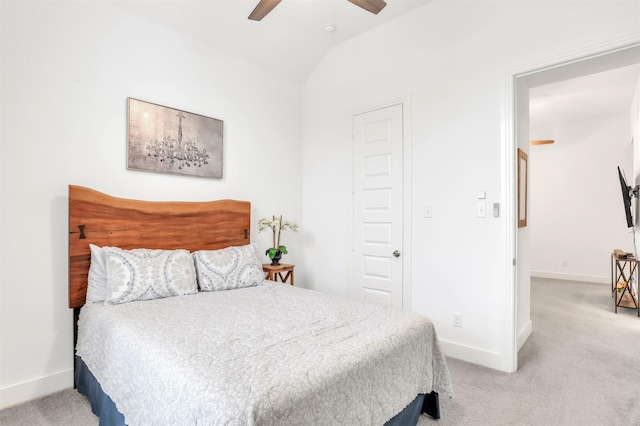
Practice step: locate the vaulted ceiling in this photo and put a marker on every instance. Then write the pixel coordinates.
(594, 95)
(290, 40)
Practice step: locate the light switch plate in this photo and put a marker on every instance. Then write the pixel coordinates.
(481, 209)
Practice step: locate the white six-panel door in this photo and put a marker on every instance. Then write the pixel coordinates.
(378, 205)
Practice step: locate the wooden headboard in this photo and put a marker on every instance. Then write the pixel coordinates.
(104, 220)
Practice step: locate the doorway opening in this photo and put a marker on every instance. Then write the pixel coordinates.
(519, 324)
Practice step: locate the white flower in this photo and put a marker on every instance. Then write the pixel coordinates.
(277, 225)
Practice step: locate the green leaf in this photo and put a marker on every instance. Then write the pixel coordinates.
(283, 249)
(271, 253)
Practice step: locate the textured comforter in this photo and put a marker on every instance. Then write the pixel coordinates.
(266, 355)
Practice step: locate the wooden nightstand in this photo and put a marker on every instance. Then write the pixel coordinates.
(275, 271)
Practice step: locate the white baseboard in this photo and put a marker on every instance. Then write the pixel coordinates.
(571, 277)
(474, 355)
(524, 334)
(34, 389)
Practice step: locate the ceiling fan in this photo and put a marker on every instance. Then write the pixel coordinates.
(265, 6)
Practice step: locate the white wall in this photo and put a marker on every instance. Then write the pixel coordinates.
(452, 58)
(635, 131)
(577, 215)
(634, 119)
(67, 70)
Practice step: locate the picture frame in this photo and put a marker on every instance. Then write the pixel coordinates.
(522, 188)
(161, 139)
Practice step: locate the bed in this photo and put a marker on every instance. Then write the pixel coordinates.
(174, 323)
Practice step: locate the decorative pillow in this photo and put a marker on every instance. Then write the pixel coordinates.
(143, 274)
(97, 288)
(228, 268)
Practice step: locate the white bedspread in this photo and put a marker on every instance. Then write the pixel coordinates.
(266, 355)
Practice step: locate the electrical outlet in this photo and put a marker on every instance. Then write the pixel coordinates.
(564, 263)
(457, 320)
(481, 210)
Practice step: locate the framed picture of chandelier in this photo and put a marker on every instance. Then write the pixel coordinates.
(168, 140)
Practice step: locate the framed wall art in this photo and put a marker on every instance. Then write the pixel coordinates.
(522, 188)
(168, 140)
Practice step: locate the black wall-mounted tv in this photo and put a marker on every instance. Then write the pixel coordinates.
(626, 197)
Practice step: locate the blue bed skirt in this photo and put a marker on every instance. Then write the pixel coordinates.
(103, 407)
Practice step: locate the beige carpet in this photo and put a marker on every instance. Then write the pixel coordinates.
(581, 366)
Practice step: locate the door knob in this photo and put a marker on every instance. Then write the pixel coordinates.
(396, 253)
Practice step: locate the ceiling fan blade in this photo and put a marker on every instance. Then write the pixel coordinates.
(373, 6)
(262, 9)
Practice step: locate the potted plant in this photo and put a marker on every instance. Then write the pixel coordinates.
(277, 225)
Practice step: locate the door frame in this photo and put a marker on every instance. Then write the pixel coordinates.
(407, 213)
(509, 175)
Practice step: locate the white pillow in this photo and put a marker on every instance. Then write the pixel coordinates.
(228, 268)
(97, 288)
(143, 274)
